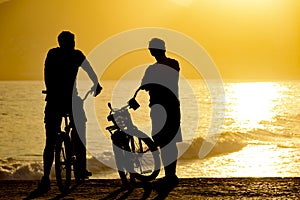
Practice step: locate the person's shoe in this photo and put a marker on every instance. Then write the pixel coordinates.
(87, 174)
(44, 185)
(82, 176)
(173, 180)
(166, 183)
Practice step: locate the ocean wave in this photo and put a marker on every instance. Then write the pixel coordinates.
(283, 139)
(226, 143)
(229, 142)
(102, 164)
(12, 169)
(284, 125)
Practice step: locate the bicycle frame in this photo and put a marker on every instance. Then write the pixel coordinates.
(132, 148)
(65, 155)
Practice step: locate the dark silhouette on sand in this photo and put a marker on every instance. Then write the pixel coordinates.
(60, 72)
(161, 82)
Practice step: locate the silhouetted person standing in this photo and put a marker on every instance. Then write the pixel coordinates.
(60, 72)
(161, 82)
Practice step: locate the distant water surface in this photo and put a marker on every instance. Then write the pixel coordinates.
(260, 135)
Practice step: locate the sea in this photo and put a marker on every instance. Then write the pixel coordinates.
(240, 129)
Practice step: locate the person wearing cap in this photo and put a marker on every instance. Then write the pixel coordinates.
(161, 82)
(61, 67)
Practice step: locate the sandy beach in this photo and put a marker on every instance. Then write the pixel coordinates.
(188, 188)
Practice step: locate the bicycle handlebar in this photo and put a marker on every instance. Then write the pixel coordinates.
(87, 94)
(136, 92)
(122, 108)
(132, 103)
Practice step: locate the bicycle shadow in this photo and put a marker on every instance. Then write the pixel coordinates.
(121, 193)
(162, 192)
(64, 194)
(149, 191)
(125, 192)
(36, 194)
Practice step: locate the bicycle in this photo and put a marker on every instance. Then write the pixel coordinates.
(65, 156)
(136, 155)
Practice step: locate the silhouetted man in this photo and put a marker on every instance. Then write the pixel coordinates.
(61, 68)
(161, 82)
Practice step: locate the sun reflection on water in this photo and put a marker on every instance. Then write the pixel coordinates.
(251, 103)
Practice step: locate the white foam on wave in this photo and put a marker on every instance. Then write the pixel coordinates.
(12, 169)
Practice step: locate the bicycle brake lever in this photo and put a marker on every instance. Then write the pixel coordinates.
(109, 105)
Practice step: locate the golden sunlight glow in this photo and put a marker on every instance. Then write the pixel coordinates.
(253, 102)
(183, 2)
(247, 39)
(250, 4)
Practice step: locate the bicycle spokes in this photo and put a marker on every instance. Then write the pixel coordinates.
(63, 163)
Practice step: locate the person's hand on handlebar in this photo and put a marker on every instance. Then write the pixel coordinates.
(96, 89)
(132, 102)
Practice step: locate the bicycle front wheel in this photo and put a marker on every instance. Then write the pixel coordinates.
(63, 162)
(144, 157)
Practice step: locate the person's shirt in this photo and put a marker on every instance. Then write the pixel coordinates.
(161, 81)
(61, 68)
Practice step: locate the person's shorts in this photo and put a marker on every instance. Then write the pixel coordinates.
(165, 124)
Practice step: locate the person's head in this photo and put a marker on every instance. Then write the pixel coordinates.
(157, 47)
(66, 40)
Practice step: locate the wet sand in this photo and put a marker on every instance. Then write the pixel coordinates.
(188, 188)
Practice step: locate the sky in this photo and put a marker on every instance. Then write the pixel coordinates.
(247, 39)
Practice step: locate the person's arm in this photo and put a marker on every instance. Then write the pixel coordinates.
(146, 80)
(86, 66)
(49, 73)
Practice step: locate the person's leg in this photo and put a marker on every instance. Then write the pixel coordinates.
(52, 126)
(48, 154)
(169, 154)
(79, 121)
(163, 132)
(51, 137)
(80, 151)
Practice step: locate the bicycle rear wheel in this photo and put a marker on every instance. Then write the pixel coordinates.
(144, 157)
(121, 149)
(63, 162)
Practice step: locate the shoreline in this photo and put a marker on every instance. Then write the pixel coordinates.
(188, 188)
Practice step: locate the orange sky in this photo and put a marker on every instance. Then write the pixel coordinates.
(247, 39)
